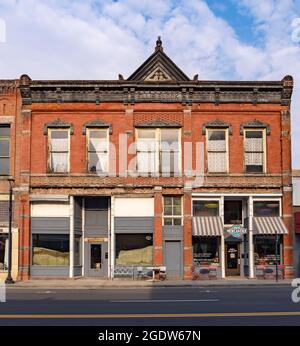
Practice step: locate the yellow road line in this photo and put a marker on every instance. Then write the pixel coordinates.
(114, 316)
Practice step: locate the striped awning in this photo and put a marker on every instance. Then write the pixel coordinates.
(269, 225)
(207, 226)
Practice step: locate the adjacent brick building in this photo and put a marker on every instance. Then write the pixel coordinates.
(217, 203)
(10, 110)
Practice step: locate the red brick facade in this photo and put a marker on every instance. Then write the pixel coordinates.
(45, 102)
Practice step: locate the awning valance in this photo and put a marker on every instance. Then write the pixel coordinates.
(207, 226)
(269, 225)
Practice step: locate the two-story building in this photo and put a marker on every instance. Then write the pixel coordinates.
(10, 110)
(152, 170)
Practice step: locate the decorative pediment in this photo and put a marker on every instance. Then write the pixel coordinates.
(159, 124)
(96, 124)
(216, 124)
(158, 75)
(158, 68)
(254, 124)
(58, 124)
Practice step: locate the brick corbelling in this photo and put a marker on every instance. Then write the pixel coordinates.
(92, 181)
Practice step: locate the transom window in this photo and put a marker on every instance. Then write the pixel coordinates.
(4, 149)
(266, 208)
(254, 151)
(217, 151)
(158, 151)
(206, 208)
(59, 150)
(172, 211)
(97, 147)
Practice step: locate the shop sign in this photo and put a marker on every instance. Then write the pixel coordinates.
(237, 231)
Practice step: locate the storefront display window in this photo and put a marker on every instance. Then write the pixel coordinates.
(205, 250)
(205, 208)
(50, 249)
(134, 249)
(3, 251)
(266, 208)
(265, 249)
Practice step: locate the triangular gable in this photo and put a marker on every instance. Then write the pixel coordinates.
(158, 68)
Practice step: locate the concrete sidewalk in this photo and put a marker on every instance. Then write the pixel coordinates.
(83, 283)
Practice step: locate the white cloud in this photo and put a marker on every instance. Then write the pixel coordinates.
(97, 39)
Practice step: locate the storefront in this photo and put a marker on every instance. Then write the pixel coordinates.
(268, 231)
(132, 236)
(207, 239)
(237, 236)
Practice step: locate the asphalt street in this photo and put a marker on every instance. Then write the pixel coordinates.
(185, 306)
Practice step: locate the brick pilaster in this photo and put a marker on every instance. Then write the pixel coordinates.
(24, 210)
(158, 231)
(187, 235)
(287, 198)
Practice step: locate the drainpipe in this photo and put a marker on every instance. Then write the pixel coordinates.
(71, 272)
(250, 232)
(112, 237)
(222, 239)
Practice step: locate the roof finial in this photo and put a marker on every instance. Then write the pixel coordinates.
(159, 44)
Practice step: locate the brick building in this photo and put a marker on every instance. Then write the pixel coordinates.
(10, 110)
(156, 170)
(296, 207)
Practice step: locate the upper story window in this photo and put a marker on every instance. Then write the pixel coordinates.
(4, 149)
(158, 151)
(59, 150)
(255, 151)
(97, 146)
(266, 208)
(172, 211)
(206, 208)
(217, 150)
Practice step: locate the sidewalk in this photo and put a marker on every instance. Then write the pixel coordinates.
(83, 283)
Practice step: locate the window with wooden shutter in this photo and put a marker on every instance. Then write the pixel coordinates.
(217, 152)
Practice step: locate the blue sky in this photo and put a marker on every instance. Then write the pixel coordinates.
(97, 39)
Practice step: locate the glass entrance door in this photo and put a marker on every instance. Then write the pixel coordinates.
(97, 259)
(232, 259)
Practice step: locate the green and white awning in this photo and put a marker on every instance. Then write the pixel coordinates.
(269, 225)
(207, 226)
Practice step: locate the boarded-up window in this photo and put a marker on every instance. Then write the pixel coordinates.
(4, 149)
(59, 151)
(217, 151)
(254, 151)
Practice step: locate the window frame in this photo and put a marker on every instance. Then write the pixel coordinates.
(8, 139)
(88, 131)
(50, 130)
(268, 200)
(172, 216)
(207, 130)
(158, 150)
(264, 138)
(208, 199)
